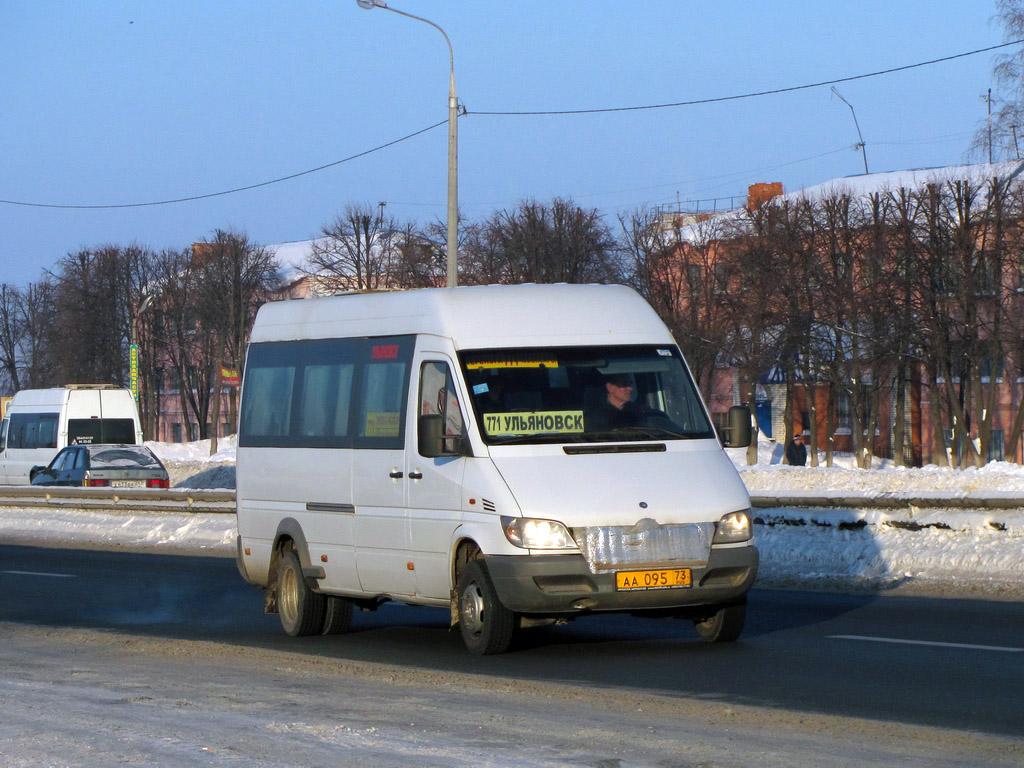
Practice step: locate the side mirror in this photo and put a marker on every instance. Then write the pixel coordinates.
(738, 433)
(432, 438)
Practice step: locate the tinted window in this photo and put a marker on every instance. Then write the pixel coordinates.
(32, 430)
(46, 437)
(111, 458)
(111, 431)
(385, 386)
(331, 393)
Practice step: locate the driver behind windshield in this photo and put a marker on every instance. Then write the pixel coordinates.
(618, 408)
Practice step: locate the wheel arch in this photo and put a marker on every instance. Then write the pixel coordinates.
(464, 549)
(289, 536)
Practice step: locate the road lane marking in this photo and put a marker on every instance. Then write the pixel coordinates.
(35, 573)
(962, 646)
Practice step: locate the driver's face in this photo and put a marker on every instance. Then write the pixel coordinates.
(619, 395)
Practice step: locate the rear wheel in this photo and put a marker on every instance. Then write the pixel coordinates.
(301, 609)
(486, 625)
(338, 616)
(723, 626)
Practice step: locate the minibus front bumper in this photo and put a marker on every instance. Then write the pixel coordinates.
(555, 585)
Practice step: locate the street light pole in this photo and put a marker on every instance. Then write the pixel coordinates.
(453, 143)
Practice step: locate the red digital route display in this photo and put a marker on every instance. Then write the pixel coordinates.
(384, 352)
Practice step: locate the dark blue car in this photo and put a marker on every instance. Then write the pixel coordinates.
(104, 466)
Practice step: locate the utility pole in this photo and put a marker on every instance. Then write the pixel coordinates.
(860, 143)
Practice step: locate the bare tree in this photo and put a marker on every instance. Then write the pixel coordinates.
(173, 323)
(234, 276)
(685, 279)
(756, 310)
(557, 242)
(92, 307)
(39, 341)
(999, 135)
(11, 331)
(357, 252)
(420, 261)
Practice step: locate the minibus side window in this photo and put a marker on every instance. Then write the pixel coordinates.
(16, 430)
(326, 397)
(438, 395)
(47, 436)
(32, 432)
(268, 401)
(326, 393)
(3, 435)
(383, 393)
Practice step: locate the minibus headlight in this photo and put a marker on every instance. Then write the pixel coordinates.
(732, 528)
(530, 533)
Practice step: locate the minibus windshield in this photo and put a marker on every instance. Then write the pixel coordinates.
(583, 394)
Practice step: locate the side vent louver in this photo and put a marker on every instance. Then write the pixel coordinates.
(488, 505)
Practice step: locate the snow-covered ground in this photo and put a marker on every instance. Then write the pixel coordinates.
(946, 550)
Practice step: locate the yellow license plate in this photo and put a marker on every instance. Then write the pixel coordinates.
(661, 579)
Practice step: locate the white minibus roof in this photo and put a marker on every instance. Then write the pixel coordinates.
(474, 317)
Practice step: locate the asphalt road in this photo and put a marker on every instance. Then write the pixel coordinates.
(936, 662)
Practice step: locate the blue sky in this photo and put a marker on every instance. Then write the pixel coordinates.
(132, 102)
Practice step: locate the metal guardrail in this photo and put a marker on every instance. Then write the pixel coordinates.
(184, 500)
(223, 500)
(832, 499)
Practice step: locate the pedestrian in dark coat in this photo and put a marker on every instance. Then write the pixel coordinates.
(796, 452)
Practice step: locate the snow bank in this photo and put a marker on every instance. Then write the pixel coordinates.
(190, 465)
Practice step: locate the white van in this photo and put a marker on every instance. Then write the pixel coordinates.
(39, 422)
(516, 453)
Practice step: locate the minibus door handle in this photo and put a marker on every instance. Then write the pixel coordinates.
(396, 475)
(415, 475)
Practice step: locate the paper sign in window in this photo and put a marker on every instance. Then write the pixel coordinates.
(534, 423)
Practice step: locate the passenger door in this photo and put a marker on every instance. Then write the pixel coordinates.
(70, 465)
(380, 522)
(435, 484)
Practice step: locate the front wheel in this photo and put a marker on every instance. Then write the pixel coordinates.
(724, 626)
(301, 609)
(486, 625)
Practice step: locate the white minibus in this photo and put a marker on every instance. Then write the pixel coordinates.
(40, 422)
(518, 454)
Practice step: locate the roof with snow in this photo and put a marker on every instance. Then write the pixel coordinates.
(865, 184)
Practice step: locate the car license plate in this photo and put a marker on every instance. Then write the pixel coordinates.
(670, 578)
(127, 483)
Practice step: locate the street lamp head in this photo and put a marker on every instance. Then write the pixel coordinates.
(369, 5)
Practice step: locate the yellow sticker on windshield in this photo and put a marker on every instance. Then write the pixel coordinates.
(512, 361)
(533, 423)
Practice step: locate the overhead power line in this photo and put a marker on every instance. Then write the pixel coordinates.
(772, 92)
(668, 105)
(236, 189)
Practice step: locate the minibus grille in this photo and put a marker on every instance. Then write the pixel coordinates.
(645, 544)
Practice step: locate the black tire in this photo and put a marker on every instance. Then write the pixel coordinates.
(338, 615)
(486, 625)
(302, 610)
(723, 626)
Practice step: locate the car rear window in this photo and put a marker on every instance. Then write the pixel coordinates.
(123, 457)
